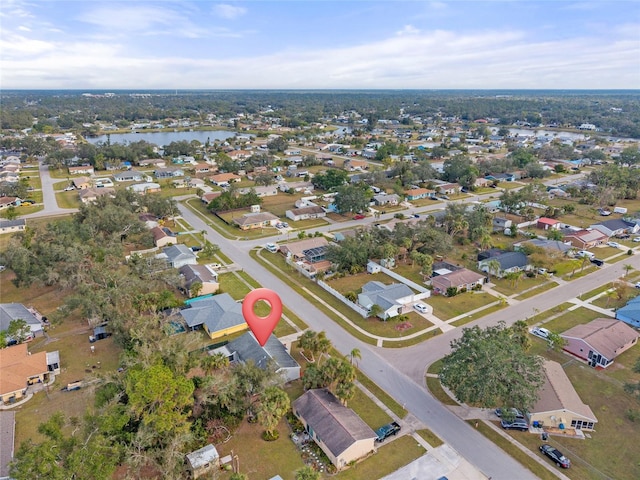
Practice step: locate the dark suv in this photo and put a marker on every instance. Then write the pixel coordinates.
(555, 455)
(516, 424)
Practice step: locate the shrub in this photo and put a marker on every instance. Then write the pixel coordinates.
(270, 436)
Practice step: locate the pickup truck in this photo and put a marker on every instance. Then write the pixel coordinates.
(386, 431)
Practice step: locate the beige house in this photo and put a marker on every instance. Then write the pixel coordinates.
(336, 429)
(200, 274)
(82, 183)
(599, 341)
(296, 250)
(19, 369)
(161, 238)
(91, 194)
(459, 279)
(203, 461)
(256, 220)
(558, 403)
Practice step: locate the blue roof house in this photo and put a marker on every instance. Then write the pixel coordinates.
(630, 313)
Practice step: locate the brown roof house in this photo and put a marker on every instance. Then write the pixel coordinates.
(336, 429)
(584, 239)
(91, 194)
(304, 213)
(296, 250)
(19, 369)
(163, 237)
(600, 341)
(207, 278)
(256, 220)
(558, 404)
(459, 279)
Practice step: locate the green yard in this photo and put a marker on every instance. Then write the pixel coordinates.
(446, 308)
(509, 287)
(572, 318)
(354, 283)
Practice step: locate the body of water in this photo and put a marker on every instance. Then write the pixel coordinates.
(165, 138)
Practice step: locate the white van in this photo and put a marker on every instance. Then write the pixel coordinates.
(584, 253)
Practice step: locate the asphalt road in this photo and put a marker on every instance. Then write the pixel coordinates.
(388, 373)
(49, 196)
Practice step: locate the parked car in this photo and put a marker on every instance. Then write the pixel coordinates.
(540, 332)
(613, 244)
(638, 285)
(272, 247)
(555, 455)
(584, 253)
(196, 248)
(68, 189)
(215, 266)
(517, 424)
(421, 307)
(514, 411)
(597, 261)
(386, 431)
(636, 239)
(358, 216)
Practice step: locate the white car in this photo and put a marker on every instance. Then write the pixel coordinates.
(584, 253)
(613, 244)
(540, 332)
(421, 307)
(272, 247)
(636, 239)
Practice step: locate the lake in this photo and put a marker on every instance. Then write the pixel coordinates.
(165, 138)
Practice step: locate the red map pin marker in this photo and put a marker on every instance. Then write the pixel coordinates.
(262, 326)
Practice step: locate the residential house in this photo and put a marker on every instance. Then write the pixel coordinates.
(459, 279)
(196, 183)
(392, 298)
(630, 313)
(209, 196)
(144, 188)
(82, 170)
(508, 262)
(386, 199)
(20, 369)
(82, 183)
(617, 226)
(306, 187)
(224, 178)
(305, 213)
(558, 403)
(219, 315)
(548, 223)
(204, 461)
(130, 176)
(162, 237)
(203, 168)
(599, 341)
(353, 165)
(261, 190)
(256, 220)
(551, 246)
(482, 182)
(153, 162)
(91, 194)
(501, 177)
(201, 274)
(310, 249)
(337, 430)
(178, 255)
(449, 188)
(103, 182)
(9, 226)
(500, 224)
(17, 311)
(168, 173)
(419, 193)
(246, 348)
(585, 239)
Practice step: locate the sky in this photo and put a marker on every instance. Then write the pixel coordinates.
(318, 44)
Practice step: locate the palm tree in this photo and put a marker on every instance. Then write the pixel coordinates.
(493, 267)
(274, 404)
(355, 353)
(627, 269)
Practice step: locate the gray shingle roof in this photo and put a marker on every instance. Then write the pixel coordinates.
(217, 313)
(385, 296)
(337, 426)
(247, 348)
(15, 311)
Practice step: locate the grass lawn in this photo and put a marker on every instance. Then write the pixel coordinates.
(570, 319)
(260, 459)
(383, 396)
(537, 290)
(68, 199)
(354, 283)
(508, 288)
(622, 367)
(390, 457)
(446, 308)
(595, 291)
(611, 301)
(366, 409)
(410, 272)
(540, 317)
(310, 223)
(514, 451)
(435, 387)
(430, 437)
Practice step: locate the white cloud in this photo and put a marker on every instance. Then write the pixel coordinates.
(437, 59)
(228, 11)
(22, 28)
(408, 30)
